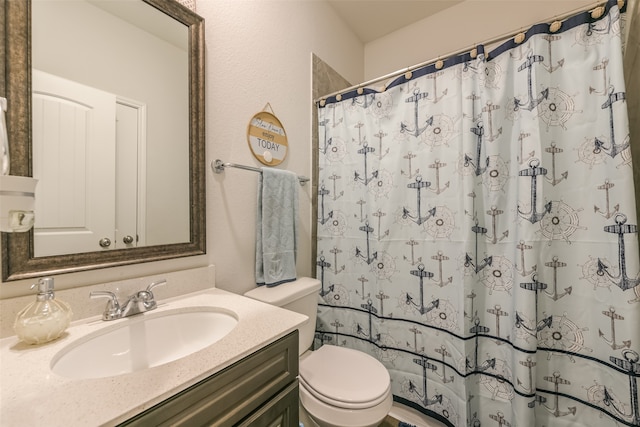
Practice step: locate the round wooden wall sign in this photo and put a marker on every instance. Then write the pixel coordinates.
(267, 139)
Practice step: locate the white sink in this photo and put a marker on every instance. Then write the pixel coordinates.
(143, 341)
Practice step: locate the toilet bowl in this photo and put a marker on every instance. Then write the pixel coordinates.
(339, 386)
(342, 387)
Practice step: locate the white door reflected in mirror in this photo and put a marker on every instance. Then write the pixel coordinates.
(73, 141)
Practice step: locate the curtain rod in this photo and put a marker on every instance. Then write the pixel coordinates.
(218, 167)
(595, 6)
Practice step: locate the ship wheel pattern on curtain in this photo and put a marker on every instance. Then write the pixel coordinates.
(477, 232)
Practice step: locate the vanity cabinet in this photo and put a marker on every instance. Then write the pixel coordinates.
(259, 390)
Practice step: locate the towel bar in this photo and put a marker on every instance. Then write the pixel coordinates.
(218, 167)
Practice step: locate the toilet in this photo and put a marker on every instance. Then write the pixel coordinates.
(339, 386)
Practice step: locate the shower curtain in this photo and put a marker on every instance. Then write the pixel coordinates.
(477, 231)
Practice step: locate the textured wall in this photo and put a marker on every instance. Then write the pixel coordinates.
(325, 81)
(460, 26)
(259, 52)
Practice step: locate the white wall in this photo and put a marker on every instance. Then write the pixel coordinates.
(259, 52)
(458, 27)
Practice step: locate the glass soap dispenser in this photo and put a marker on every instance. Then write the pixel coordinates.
(45, 319)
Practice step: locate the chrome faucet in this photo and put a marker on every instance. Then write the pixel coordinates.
(137, 303)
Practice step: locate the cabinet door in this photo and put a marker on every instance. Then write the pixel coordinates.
(236, 393)
(281, 411)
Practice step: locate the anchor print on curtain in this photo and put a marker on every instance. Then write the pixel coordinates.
(477, 232)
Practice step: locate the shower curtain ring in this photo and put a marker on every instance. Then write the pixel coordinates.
(597, 12)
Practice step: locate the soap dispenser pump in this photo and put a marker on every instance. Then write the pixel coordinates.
(45, 319)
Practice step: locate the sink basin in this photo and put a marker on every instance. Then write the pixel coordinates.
(144, 341)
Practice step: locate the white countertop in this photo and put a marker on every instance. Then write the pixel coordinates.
(32, 395)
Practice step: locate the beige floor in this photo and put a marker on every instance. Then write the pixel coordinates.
(388, 421)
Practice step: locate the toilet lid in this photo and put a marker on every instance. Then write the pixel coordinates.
(345, 377)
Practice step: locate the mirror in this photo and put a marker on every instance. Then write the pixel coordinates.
(168, 154)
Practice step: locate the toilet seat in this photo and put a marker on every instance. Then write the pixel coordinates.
(345, 378)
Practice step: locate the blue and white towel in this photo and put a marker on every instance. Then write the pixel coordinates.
(276, 227)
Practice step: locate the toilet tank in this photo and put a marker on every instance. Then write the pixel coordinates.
(300, 296)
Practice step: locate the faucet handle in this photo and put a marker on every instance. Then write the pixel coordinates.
(112, 311)
(147, 298)
(154, 284)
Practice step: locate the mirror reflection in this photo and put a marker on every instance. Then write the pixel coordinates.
(160, 107)
(110, 120)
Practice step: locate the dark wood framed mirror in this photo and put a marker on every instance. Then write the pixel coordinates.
(20, 260)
